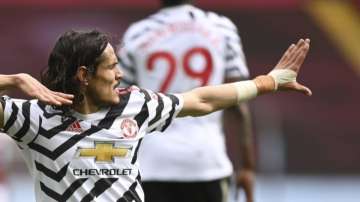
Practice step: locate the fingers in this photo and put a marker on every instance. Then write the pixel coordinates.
(294, 55)
(297, 50)
(295, 86)
(67, 96)
(54, 98)
(63, 98)
(299, 60)
(43, 98)
(303, 89)
(285, 56)
(34, 88)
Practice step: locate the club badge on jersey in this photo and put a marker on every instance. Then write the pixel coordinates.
(129, 128)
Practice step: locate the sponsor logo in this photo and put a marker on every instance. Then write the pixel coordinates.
(75, 127)
(105, 152)
(96, 172)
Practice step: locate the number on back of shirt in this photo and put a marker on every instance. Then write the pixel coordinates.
(190, 71)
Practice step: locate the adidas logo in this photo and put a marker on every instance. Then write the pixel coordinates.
(75, 127)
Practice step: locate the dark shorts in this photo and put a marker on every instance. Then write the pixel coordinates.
(210, 191)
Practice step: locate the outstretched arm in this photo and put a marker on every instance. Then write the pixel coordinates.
(34, 89)
(204, 100)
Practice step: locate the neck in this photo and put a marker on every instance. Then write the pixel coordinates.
(86, 106)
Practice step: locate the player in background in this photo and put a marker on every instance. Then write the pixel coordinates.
(174, 50)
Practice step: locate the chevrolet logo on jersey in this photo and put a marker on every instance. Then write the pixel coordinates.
(105, 152)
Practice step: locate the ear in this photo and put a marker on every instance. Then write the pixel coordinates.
(82, 75)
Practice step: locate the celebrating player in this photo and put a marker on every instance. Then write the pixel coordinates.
(81, 135)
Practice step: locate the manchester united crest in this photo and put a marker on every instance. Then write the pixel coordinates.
(129, 128)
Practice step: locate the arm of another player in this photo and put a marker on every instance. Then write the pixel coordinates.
(237, 123)
(204, 100)
(33, 88)
(238, 129)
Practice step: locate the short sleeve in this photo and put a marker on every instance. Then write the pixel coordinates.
(163, 108)
(235, 65)
(20, 120)
(235, 61)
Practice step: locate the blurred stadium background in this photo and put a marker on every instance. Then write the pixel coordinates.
(308, 149)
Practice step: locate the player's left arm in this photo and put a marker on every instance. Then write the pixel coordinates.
(207, 99)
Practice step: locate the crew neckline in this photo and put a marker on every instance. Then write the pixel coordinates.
(90, 116)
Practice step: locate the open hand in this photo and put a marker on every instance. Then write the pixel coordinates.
(287, 69)
(35, 89)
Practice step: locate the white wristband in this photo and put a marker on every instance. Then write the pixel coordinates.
(245, 90)
(282, 76)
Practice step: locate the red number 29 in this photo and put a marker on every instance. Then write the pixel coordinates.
(203, 75)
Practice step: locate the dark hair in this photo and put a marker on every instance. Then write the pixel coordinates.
(166, 3)
(72, 50)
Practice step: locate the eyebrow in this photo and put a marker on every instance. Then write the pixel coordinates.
(113, 64)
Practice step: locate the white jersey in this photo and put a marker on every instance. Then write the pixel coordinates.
(175, 50)
(93, 157)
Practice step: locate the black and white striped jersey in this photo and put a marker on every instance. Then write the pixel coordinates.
(92, 157)
(175, 50)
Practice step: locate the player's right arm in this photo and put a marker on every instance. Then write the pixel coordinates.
(34, 89)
